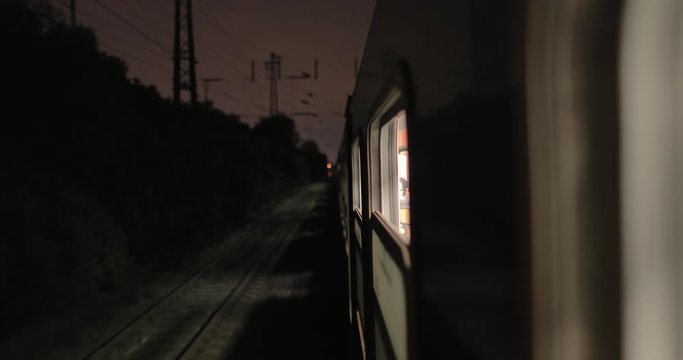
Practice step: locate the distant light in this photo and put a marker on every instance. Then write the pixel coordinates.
(329, 166)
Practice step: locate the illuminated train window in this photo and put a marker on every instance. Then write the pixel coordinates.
(395, 182)
(355, 169)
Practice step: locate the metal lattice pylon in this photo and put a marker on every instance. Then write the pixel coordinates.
(184, 76)
(274, 72)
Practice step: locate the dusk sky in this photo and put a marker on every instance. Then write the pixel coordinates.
(229, 35)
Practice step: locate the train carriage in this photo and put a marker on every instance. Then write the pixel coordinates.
(508, 169)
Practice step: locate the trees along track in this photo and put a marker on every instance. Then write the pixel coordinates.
(172, 327)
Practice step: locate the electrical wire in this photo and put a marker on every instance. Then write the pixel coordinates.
(123, 55)
(214, 63)
(132, 26)
(129, 42)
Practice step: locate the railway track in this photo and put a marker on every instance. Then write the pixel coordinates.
(184, 323)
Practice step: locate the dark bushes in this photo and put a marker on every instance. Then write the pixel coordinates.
(98, 172)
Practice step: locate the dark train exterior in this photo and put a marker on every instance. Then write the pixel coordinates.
(508, 181)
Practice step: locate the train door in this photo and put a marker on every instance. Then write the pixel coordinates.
(356, 268)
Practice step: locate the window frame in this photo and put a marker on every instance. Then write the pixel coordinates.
(356, 176)
(384, 189)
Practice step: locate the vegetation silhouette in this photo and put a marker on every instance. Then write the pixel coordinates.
(100, 173)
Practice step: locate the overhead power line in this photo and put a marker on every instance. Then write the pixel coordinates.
(132, 44)
(128, 57)
(132, 26)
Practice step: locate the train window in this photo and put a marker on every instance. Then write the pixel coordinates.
(394, 179)
(355, 169)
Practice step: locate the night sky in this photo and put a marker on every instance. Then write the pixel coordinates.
(229, 35)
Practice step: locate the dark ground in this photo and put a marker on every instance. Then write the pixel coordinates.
(316, 325)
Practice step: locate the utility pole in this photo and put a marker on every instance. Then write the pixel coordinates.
(273, 66)
(207, 82)
(184, 75)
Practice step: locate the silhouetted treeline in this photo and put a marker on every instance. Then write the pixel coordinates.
(98, 172)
